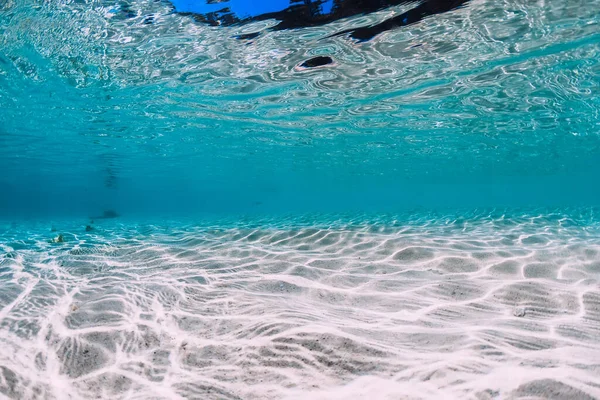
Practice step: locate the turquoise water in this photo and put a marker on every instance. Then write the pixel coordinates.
(491, 105)
(188, 212)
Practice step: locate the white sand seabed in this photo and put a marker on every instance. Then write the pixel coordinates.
(487, 309)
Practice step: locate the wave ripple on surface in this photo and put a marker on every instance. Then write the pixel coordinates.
(453, 308)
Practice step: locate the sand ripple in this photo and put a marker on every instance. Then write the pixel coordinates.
(487, 307)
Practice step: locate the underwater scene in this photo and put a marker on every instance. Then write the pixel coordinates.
(299, 199)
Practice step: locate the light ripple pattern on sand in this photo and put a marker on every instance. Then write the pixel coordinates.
(451, 307)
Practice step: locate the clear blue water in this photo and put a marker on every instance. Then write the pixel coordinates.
(418, 218)
(491, 105)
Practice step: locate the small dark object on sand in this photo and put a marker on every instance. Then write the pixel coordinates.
(88, 228)
(59, 239)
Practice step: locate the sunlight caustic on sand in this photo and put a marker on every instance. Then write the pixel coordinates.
(440, 307)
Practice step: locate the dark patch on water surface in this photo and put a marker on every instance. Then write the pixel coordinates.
(293, 14)
(412, 16)
(248, 36)
(148, 20)
(317, 62)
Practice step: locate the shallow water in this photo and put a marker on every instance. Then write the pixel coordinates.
(490, 105)
(186, 211)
